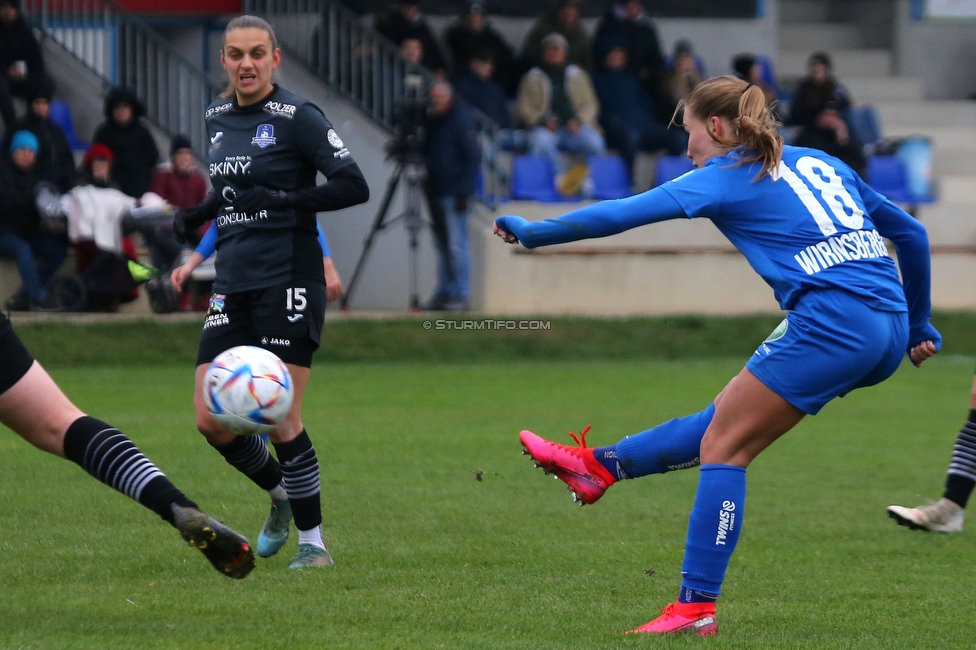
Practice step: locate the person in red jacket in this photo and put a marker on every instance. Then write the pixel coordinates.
(183, 185)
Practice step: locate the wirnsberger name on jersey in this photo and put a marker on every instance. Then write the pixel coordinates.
(860, 244)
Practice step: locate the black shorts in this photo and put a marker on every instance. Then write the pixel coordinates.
(16, 359)
(286, 319)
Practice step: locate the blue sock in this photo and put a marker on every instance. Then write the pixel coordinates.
(695, 596)
(665, 448)
(713, 528)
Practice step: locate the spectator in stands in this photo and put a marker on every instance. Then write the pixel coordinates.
(557, 102)
(21, 63)
(405, 20)
(453, 157)
(55, 159)
(627, 112)
(182, 185)
(414, 82)
(565, 19)
(96, 168)
(412, 49)
(819, 107)
(475, 84)
(626, 23)
(748, 68)
(681, 78)
(23, 236)
(133, 148)
(473, 35)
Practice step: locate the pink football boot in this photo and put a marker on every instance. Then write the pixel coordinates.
(583, 474)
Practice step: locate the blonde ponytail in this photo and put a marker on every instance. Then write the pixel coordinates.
(754, 127)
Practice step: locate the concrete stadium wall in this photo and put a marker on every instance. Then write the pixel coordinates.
(940, 52)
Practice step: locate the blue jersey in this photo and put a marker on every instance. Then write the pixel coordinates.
(810, 227)
(813, 224)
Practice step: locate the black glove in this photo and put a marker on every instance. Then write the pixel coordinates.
(460, 203)
(186, 220)
(255, 199)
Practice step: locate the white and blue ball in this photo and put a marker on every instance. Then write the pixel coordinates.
(248, 390)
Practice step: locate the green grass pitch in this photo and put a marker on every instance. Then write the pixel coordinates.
(428, 556)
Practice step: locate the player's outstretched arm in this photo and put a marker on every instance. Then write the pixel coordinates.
(912, 247)
(598, 220)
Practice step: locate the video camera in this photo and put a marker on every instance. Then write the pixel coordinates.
(409, 119)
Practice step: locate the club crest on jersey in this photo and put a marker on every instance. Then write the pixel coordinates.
(334, 139)
(264, 136)
(217, 303)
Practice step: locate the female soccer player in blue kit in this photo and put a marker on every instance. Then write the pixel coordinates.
(813, 230)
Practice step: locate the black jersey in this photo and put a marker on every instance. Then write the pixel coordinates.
(278, 143)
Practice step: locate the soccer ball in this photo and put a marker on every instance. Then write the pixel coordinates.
(248, 390)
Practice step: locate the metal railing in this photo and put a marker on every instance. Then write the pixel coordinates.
(358, 63)
(123, 51)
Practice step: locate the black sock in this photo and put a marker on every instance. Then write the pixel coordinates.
(962, 469)
(300, 469)
(250, 456)
(108, 455)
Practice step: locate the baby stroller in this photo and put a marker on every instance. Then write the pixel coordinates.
(96, 220)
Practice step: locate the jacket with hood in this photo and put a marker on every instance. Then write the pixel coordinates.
(134, 150)
(17, 43)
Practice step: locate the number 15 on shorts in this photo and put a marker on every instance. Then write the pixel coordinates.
(295, 299)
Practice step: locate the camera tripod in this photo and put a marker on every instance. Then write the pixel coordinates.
(409, 168)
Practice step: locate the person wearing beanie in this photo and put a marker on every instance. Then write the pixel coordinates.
(54, 157)
(132, 145)
(22, 237)
(21, 63)
(96, 167)
(183, 185)
(564, 18)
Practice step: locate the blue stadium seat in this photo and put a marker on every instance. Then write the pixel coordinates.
(888, 176)
(609, 177)
(533, 179)
(61, 115)
(670, 167)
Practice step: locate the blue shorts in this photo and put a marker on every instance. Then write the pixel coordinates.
(828, 345)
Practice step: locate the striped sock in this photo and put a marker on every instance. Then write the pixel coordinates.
(962, 469)
(249, 455)
(300, 469)
(108, 455)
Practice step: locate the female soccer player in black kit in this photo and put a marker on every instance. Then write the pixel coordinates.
(266, 146)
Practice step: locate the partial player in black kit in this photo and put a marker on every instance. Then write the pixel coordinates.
(35, 408)
(266, 147)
